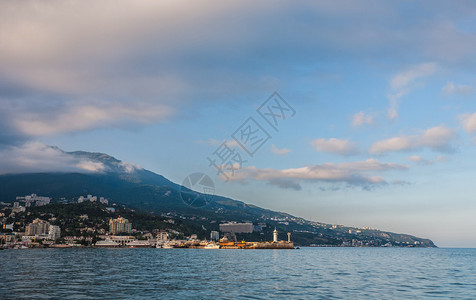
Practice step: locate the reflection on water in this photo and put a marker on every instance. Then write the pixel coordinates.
(177, 273)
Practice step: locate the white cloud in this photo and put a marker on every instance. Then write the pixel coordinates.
(362, 118)
(404, 82)
(336, 146)
(129, 167)
(34, 157)
(353, 173)
(437, 138)
(403, 79)
(91, 166)
(278, 151)
(392, 144)
(468, 121)
(451, 88)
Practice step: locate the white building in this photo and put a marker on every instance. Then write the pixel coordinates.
(275, 235)
(54, 232)
(39, 200)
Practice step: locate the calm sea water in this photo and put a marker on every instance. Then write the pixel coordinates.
(307, 273)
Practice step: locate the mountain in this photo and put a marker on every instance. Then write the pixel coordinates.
(131, 185)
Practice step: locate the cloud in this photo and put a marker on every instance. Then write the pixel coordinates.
(405, 78)
(468, 121)
(91, 166)
(359, 173)
(35, 157)
(129, 167)
(285, 184)
(64, 60)
(437, 138)
(404, 82)
(392, 112)
(450, 88)
(214, 142)
(278, 151)
(87, 117)
(336, 146)
(422, 161)
(362, 118)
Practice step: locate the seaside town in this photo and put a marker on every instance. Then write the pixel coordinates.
(45, 230)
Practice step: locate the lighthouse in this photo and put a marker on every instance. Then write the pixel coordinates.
(289, 237)
(275, 235)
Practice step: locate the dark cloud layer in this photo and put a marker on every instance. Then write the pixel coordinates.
(91, 61)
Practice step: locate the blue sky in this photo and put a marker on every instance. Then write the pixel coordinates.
(384, 133)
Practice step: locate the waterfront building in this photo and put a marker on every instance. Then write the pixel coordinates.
(237, 227)
(54, 232)
(162, 236)
(37, 227)
(107, 244)
(214, 236)
(120, 225)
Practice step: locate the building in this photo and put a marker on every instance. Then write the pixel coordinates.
(54, 232)
(18, 209)
(37, 227)
(237, 227)
(214, 236)
(120, 225)
(162, 236)
(39, 200)
(275, 235)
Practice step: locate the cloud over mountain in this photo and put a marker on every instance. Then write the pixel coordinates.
(35, 157)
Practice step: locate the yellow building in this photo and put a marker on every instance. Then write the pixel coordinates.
(37, 227)
(120, 225)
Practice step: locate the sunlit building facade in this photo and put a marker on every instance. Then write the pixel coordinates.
(120, 225)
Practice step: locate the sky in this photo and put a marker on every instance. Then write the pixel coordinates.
(373, 123)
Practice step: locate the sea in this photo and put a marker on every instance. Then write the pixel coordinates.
(306, 273)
